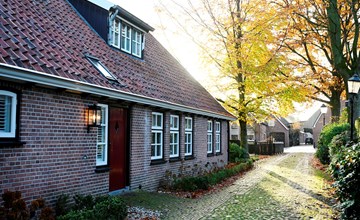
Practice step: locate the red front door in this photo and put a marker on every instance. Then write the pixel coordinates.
(117, 145)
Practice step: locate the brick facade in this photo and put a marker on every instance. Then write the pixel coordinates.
(148, 176)
(58, 156)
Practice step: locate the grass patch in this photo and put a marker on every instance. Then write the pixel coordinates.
(152, 200)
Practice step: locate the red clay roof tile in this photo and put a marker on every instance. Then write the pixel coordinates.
(49, 36)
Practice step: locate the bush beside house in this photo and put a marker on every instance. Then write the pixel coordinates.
(344, 159)
(326, 135)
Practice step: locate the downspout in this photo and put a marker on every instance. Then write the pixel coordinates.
(111, 19)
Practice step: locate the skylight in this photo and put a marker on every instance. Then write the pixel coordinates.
(101, 68)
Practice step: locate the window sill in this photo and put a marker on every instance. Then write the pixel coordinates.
(158, 161)
(218, 153)
(189, 157)
(174, 159)
(102, 169)
(5, 144)
(210, 154)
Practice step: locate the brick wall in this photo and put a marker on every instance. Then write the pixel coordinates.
(53, 160)
(280, 128)
(59, 154)
(148, 176)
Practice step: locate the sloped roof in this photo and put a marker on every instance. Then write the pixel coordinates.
(50, 37)
(310, 123)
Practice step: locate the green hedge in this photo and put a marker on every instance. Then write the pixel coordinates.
(237, 153)
(203, 182)
(326, 135)
(89, 208)
(345, 168)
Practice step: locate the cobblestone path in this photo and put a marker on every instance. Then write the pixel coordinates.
(280, 187)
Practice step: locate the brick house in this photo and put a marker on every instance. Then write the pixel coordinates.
(90, 106)
(315, 124)
(276, 128)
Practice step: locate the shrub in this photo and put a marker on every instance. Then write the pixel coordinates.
(83, 202)
(203, 182)
(345, 168)
(338, 142)
(105, 207)
(14, 207)
(62, 205)
(326, 135)
(237, 153)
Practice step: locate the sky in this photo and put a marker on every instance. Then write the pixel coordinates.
(181, 46)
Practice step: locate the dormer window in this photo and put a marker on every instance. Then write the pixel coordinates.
(130, 39)
(100, 67)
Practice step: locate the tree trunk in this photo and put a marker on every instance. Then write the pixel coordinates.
(335, 105)
(243, 134)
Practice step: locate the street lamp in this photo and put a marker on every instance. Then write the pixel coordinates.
(353, 88)
(323, 110)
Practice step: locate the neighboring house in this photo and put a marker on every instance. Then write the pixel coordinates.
(89, 109)
(314, 125)
(277, 129)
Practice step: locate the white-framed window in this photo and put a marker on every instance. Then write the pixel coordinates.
(8, 102)
(125, 37)
(174, 136)
(217, 136)
(209, 137)
(136, 43)
(188, 136)
(157, 136)
(102, 137)
(115, 33)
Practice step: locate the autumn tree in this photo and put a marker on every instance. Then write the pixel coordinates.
(323, 36)
(239, 37)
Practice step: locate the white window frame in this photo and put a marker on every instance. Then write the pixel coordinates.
(126, 38)
(174, 131)
(188, 137)
(209, 137)
(136, 39)
(105, 125)
(12, 132)
(116, 22)
(217, 137)
(136, 44)
(157, 129)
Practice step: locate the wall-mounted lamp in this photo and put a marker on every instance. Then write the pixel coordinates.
(94, 116)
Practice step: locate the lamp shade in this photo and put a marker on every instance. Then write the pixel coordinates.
(323, 109)
(354, 84)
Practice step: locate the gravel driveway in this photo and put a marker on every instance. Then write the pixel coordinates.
(280, 187)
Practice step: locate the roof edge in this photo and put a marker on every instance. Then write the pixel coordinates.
(131, 18)
(278, 119)
(27, 75)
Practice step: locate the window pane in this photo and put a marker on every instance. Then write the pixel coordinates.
(159, 120)
(154, 120)
(101, 134)
(159, 139)
(100, 155)
(5, 113)
(152, 150)
(153, 138)
(158, 147)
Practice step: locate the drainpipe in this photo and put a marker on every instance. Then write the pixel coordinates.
(111, 19)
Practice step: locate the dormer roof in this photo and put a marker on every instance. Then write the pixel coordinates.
(130, 18)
